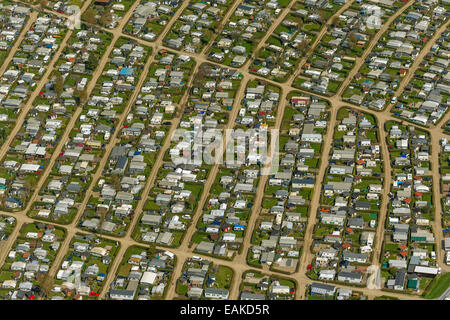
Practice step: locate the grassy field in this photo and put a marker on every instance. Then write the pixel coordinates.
(223, 277)
(437, 287)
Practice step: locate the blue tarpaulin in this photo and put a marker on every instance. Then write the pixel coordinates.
(126, 71)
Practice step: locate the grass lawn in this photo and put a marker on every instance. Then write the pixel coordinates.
(302, 209)
(124, 270)
(199, 237)
(314, 297)
(285, 282)
(223, 277)
(333, 85)
(438, 287)
(385, 298)
(312, 163)
(269, 203)
(195, 188)
(289, 113)
(182, 289)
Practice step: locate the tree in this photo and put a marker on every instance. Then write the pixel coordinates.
(322, 17)
(42, 4)
(115, 181)
(102, 211)
(59, 85)
(106, 18)
(3, 201)
(235, 34)
(89, 16)
(2, 134)
(91, 62)
(393, 271)
(28, 185)
(302, 47)
(151, 249)
(199, 77)
(191, 201)
(352, 37)
(46, 285)
(426, 209)
(335, 21)
(83, 94)
(42, 117)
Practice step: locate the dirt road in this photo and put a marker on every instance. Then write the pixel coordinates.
(239, 263)
(31, 19)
